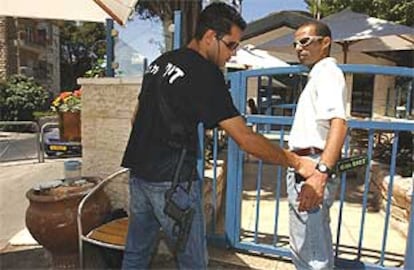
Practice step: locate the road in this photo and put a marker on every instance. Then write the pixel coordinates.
(17, 146)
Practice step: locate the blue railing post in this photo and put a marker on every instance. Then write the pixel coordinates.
(409, 250)
(109, 71)
(409, 95)
(232, 195)
(177, 29)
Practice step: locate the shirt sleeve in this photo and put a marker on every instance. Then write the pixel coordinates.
(215, 102)
(330, 93)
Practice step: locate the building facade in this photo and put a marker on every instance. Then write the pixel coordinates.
(30, 47)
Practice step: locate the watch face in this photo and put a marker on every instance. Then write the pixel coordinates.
(322, 168)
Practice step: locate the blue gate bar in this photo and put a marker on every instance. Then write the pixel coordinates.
(390, 126)
(200, 152)
(214, 195)
(268, 101)
(278, 187)
(390, 189)
(378, 70)
(409, 249)
(409, 95)
(258, 191)
(342, 197)
(177, 29)
(232, 195)
(366, 187)
(264, 248)
(274, 71)
(259, 97)
(109, 71)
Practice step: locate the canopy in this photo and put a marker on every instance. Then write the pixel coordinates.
(72, 10)
(250, 57)
(358, 32)
(119, 10)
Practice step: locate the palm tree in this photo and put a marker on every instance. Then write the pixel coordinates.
(164, 9)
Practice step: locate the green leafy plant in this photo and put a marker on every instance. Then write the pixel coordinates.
(98, 70)
(20, 96)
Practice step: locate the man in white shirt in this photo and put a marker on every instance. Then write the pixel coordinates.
(318, 131)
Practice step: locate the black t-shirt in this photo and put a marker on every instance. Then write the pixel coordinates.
(194, 90)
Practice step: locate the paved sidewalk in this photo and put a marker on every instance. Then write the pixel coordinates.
(351, 219)
(16, 178)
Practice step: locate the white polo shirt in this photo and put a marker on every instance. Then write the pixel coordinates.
(322, 99)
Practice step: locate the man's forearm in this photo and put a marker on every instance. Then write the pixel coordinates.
(262, 148)
(334, 142)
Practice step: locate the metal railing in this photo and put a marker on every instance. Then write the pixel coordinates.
(8, 142)
(378, 257)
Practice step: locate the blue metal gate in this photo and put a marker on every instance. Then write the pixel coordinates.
(365, 136)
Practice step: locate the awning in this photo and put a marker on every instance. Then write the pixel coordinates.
(72, 10)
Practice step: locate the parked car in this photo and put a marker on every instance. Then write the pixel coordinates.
(54, 146)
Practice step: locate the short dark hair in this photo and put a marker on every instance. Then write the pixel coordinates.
(321, 28)
(219, 17)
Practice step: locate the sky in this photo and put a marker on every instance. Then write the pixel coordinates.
(256, 9)
(145, 35)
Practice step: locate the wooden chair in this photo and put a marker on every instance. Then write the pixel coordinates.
(113, 233)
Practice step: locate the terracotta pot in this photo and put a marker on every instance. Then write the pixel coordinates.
(51, 219)
(70, 126)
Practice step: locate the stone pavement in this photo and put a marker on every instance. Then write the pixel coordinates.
(16, 178)
(16, 242)
(350, 229)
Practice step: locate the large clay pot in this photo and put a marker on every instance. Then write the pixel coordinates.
(70, 126)
(51, 219)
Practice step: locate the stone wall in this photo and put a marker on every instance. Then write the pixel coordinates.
(107, 108)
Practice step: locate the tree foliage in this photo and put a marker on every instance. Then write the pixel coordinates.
(20, 96)
(399, 11)
(164, 10)
(81, 45)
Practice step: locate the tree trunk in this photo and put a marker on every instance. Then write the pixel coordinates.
(168, 36)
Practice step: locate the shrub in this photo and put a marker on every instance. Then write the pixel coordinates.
(20, 96)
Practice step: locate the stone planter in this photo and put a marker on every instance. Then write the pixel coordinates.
(70, 126)
(51, 219)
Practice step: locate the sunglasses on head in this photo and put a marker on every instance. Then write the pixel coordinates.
(231, 45)
(306, 41)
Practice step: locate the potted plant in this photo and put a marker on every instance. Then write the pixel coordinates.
(68, 106)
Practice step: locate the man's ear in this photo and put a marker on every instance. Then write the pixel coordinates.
(210, 36)
(326, 41)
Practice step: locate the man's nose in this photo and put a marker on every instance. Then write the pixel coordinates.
(298, 47)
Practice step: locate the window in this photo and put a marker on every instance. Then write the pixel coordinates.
(362, 95)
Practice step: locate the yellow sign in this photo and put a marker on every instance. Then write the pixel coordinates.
(58, 147)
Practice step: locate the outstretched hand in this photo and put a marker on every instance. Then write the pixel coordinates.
(312, 191)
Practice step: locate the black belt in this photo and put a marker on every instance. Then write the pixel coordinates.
(307, 151)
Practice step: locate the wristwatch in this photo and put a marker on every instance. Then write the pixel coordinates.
(323, 168)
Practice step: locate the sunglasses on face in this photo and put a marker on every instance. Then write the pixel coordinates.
(306, 41)
(231, 45)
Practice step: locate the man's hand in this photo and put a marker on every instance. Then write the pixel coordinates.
(306, 167)
(311, 194)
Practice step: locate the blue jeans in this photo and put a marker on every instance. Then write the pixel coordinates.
(147, 217)
(309, 231)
